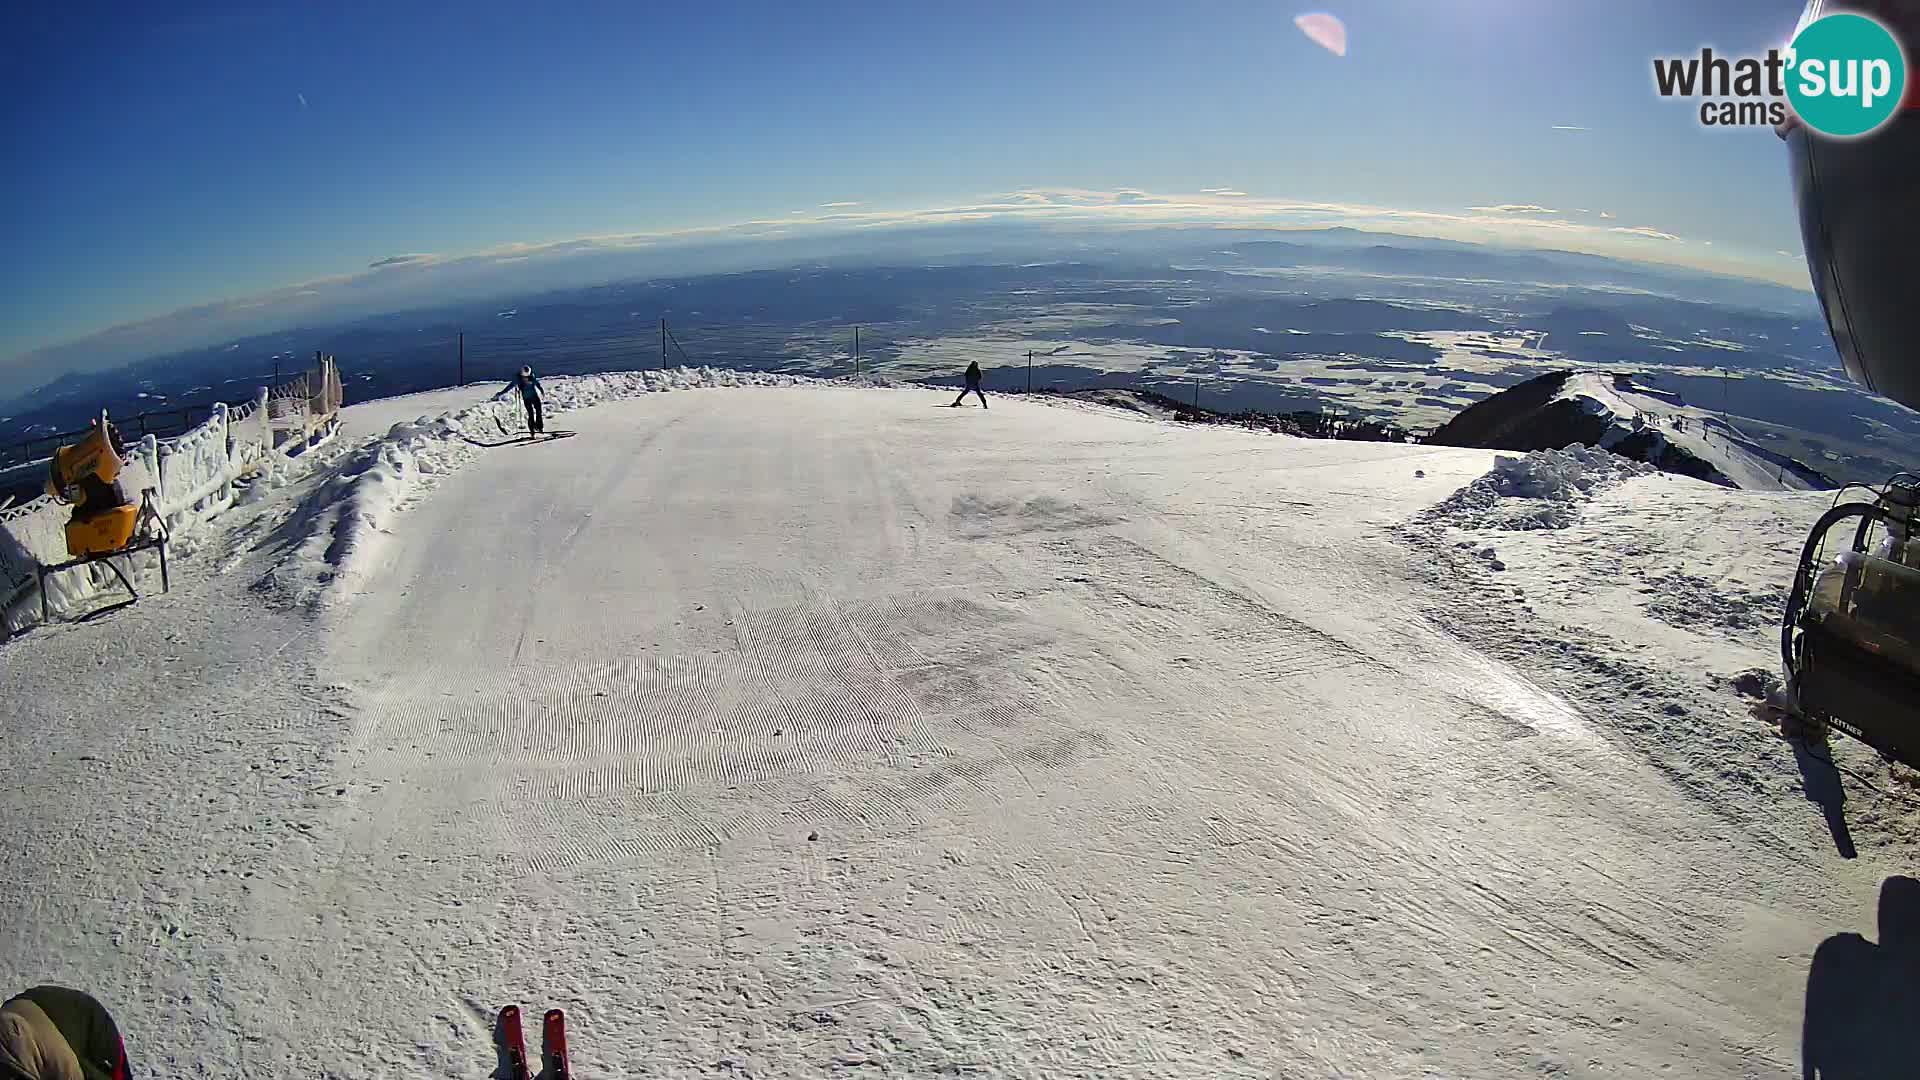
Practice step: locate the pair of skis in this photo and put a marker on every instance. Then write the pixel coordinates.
(553, 1034)
(531, 433)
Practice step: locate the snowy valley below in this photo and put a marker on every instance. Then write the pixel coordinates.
(784, 728)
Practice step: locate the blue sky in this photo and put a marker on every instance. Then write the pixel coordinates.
(167, 156)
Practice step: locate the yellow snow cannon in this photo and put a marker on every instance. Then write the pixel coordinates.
(87, 475)
(1851, 636)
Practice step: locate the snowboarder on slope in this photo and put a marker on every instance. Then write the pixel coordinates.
(529, 386)
(973, 386)
(52, 1033)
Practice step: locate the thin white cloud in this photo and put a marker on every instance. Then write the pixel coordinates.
(1784, 254)
(302, 99)
(1647, 232)
(1570, 127)
(1514, 208)
(838, 205)
(1227, 193)
(1604, 214)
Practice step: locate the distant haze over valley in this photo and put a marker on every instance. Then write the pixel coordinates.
(1398, 328)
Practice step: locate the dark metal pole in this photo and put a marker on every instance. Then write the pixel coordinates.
(856, 352)
(463, 358)
(663, 344)
(1029, 371)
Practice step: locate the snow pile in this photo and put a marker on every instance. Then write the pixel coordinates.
(335, 538)
(562, 393)
(223, 464)
(1542, 490)
(334, 534)
(271, 474)
(880, 382)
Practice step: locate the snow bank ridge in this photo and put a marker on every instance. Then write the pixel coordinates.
(334, 540)
(1542, 490)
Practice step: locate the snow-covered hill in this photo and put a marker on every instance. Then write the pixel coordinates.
(1638, 421)
(804, 730)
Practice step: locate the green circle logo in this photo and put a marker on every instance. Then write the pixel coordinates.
(1845, 75)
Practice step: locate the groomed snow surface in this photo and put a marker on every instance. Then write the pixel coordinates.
(813, 730)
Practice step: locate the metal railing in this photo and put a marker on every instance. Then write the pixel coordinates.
(160, 423)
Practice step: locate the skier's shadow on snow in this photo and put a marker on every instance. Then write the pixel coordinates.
(524, 440)
(1820, 779)
(1863, 999)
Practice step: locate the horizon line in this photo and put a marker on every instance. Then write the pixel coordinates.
(359, 293)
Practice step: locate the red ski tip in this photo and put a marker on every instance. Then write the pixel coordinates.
(554, 1030)
(514, 1044)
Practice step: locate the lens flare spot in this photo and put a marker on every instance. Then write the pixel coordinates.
(1326, 31)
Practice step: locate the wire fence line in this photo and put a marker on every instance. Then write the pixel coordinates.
(160, 423)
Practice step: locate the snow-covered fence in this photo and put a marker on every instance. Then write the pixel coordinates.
(197, 472)
(193, 477)
(34, 534)
(305, 409)
(29, 534)
(287, 413)
(249, 435)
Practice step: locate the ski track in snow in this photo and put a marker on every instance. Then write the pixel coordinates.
(800, 731)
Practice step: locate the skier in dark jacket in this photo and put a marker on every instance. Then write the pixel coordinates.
(52, 1033)
(973, 386)
(529, 386)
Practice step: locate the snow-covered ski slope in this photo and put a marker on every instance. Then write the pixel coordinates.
(814, 731)
(1696, 432)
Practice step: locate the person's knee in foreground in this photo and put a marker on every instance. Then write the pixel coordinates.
(53, 1033)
